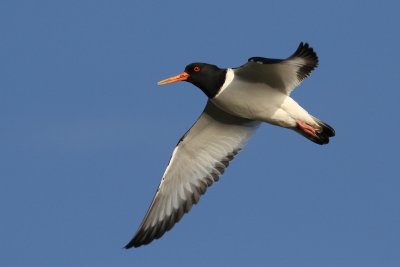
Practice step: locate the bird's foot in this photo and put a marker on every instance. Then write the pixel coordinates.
(307, 128)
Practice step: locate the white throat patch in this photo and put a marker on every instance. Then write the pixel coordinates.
(228, 79)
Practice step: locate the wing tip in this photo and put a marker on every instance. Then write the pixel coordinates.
(129, 245)
(304, 50)
(307, 53)
(134, 243)
(146, 235)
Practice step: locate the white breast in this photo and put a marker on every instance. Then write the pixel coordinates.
(258, 101)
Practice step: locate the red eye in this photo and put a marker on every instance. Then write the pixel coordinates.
(196, 69)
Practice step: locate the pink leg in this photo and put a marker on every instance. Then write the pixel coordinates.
(307, 128)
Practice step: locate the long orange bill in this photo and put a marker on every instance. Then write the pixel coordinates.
(180, 77)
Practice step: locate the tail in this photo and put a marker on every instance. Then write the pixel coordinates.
(322, 132)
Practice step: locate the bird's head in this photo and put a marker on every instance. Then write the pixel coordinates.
(209, 78)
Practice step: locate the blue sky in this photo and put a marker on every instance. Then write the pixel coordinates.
(86, 134)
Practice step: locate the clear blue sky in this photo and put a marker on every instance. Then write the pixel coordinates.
(86, 134)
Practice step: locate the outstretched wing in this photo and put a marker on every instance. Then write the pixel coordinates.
(282, 74)
(198, 160)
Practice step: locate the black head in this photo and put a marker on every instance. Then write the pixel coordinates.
(209, 78)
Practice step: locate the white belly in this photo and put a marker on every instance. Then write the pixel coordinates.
(259, 102)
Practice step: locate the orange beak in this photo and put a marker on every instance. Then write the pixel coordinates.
(180, 77)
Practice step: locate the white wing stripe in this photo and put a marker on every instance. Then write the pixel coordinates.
(197, 162)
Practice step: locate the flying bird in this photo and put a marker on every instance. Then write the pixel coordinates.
(239, 100)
